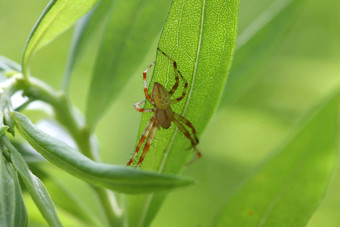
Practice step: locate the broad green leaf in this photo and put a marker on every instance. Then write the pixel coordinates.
(290, 186)
(58, 16)
(256, 42)
(200, 36)
(117, 178)
(130, 31)
(34, 186)
(7, 194)
(84, 30)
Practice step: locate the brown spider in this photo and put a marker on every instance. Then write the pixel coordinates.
(163, 114)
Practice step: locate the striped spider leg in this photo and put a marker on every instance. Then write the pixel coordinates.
(163, 114)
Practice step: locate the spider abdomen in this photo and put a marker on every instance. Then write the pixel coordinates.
(164, 117)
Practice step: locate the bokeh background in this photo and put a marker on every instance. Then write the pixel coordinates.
(300, 70)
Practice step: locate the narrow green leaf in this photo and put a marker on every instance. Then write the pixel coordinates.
(7, 195)
(30, 156)
(290, 186)
(58, 16)
(118, 178)
(256, 42)
(200, 36)
(131, 29)
(68, 201)
(20, 213)
(34, 186)
(84, 30)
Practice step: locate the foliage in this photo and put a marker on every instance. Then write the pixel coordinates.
(59, 165)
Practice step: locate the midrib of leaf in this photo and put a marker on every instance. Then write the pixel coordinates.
(165, 156)
(191, 88)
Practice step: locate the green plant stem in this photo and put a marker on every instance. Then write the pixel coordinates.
(66, 115)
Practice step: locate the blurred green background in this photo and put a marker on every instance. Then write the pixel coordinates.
(294, 76)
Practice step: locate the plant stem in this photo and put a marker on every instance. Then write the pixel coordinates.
(67, 116)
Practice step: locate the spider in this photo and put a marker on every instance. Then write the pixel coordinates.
(163, 114)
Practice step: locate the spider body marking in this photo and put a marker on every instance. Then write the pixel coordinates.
(163, 114)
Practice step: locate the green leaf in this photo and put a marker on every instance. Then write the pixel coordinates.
(7, 195)
(58, 16)
(34, 186)
(69, 201)
(131, 30)
(20, 213)
(118, 178)
(30, 156)
(84, 30)
(290, 186)
(200, 36)
(256, 43)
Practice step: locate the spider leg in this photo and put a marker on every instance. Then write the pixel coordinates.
(147, 144)
(183, 93)
(188, 123)
(187, 134)
(142, 138)
(148, 97)
(174, 88)
(142, 109)
(177, 72)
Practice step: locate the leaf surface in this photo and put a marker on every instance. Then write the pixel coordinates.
(256, 42)
(7, 195)
(130, 31)
(58, 16)
(200, 36)
(84, 30)
(20, 213)
(117, 178)
(290, 186)
(69, 201)
(34, 186)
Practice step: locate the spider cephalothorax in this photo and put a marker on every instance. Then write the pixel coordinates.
(163, 114)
